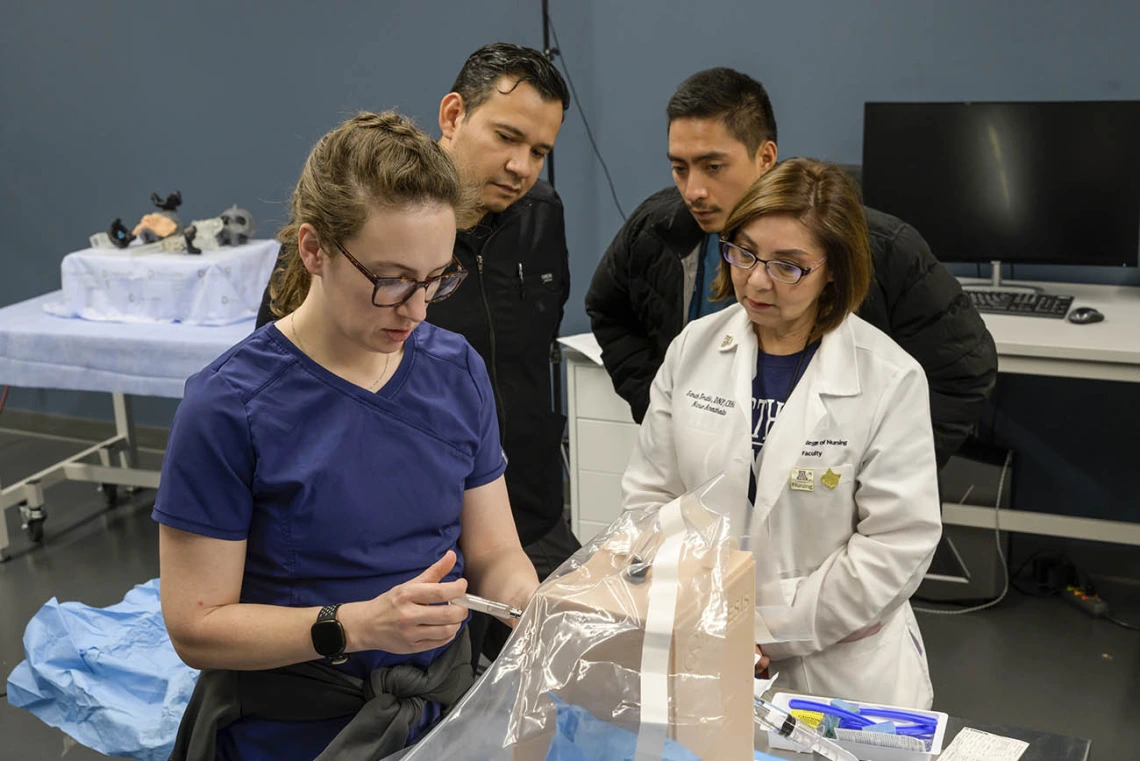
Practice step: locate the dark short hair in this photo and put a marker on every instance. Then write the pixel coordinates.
(490, 63)
(827, 202)
(737, 100)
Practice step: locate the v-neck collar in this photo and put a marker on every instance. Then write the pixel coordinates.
(384, 393)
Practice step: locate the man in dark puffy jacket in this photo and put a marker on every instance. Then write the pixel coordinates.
(498, 123)
(656, 274)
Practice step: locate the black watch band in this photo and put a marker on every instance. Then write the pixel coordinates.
(328, 635)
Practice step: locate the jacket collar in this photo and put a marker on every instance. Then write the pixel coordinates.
(669, 220)
(540, 192)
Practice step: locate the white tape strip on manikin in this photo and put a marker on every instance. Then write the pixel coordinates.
(659, 616)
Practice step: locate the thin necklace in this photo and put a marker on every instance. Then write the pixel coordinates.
(301, 346)
(795, 373)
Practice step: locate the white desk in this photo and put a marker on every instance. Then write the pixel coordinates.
(602, 438)
(1108, 350)
(602, 432)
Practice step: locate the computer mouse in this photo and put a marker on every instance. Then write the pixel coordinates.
(1085, 316)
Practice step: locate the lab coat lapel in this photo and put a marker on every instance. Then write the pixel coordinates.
(740, 342)
(782, 449)
(831, 373)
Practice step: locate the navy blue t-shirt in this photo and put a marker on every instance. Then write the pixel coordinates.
(776, 376)
(341, 494)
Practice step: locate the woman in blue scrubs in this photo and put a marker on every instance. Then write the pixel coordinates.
(335, 479)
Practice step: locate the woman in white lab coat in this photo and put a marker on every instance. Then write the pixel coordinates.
(821, 424)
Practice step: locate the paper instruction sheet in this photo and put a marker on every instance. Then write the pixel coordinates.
(585, 344)
(974, 745)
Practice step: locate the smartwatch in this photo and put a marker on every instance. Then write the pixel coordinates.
(328, 636)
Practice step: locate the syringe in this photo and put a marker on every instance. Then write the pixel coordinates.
(497, 609)
(783, 723)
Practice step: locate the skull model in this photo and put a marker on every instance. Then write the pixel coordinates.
(237, 227)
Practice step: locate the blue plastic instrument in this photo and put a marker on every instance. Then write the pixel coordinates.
(917, 725)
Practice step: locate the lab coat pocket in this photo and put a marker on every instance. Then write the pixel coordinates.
(916, 648)
(884, 668)
(706, 423)
(701, 449)
(858, 648)
(866, 669)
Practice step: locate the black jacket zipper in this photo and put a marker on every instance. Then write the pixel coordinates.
(502, 409)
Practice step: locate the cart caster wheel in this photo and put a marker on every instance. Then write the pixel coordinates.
(35, 529)
(110, 494)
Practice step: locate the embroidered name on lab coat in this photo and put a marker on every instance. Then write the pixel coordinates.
(718, 405)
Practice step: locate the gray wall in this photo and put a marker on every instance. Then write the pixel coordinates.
(821, 60)
(222, 101)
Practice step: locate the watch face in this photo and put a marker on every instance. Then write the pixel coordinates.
(328, 638)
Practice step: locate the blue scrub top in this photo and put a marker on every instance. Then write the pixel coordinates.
(340, 493)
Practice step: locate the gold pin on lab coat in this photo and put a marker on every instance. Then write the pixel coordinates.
(726, 342)
(830, 479)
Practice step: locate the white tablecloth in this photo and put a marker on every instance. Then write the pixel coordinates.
(212, 288)
(38, 350)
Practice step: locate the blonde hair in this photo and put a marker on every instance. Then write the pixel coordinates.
(373, 159)
(827, 202)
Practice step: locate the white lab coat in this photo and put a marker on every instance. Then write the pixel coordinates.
(848, 555)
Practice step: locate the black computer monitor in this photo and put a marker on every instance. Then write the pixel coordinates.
(1055, 183)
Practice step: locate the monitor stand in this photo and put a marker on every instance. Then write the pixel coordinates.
(996, 283)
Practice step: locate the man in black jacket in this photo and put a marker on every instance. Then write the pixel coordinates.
(498, 123)
(656, 274)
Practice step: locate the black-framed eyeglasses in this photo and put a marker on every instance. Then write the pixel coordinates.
(394, 291)
(778, 269)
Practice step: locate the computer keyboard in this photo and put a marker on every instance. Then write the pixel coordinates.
(1020, 303)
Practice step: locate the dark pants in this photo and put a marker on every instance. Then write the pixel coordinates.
(488, 635)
